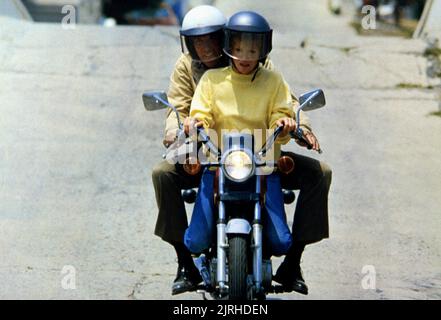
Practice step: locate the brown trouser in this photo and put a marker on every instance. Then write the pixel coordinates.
(310, 176)
(313, 179)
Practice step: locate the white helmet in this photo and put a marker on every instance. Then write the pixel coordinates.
(199, 21)
(202, 20)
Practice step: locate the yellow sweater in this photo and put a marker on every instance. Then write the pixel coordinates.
(225, 99)
(183, 82)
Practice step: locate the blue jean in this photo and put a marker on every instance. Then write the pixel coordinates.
(276, 234)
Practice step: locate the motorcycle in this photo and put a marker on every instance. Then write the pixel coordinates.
(234, 268)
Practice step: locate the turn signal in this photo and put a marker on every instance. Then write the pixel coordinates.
(192, 166)
(285, 164)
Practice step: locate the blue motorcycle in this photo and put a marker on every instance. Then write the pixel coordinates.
(239, 211)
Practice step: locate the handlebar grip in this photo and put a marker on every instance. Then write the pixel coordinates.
(296, 136)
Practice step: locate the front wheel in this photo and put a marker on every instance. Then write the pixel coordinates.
(237, 267)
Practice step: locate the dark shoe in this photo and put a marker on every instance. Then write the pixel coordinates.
(299, 284)
(187, 279)
(291, 279)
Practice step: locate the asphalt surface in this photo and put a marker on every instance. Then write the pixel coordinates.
(77, 207)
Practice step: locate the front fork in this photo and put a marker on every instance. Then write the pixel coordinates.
(256, 241)
(222, 244)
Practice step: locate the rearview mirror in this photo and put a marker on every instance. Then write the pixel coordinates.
(155, 100)
(312, 100)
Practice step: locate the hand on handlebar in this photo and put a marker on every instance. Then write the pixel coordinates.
(288, 125)
(312, 142)
(190, 124)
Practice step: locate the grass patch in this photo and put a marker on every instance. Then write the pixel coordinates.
(356, 26)
(404, 85)
(432, 52)
(435, 113)
(346, 50)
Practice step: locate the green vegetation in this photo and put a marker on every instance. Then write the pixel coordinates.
(356, 26)
(432, 52)
(347, 49)
(435, 113)
(405, 85)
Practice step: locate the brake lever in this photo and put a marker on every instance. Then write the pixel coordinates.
(298, 135)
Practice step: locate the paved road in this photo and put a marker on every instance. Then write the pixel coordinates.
(77, 150)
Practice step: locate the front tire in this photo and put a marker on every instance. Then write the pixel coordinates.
(237, 267)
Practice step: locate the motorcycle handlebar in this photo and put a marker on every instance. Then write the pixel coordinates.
(298, 135)
(270, 141)
(206, 140)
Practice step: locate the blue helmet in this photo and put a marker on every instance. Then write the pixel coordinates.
(248, 26)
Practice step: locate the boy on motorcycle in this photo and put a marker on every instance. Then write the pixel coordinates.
(243, 96)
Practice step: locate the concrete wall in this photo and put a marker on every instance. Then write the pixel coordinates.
(430, 22)
(14, 9)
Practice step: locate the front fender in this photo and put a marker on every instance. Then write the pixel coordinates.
(237, 225)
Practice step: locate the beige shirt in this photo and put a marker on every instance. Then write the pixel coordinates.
(183, 82)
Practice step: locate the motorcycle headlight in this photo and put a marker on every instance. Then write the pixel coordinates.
(238, 166)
